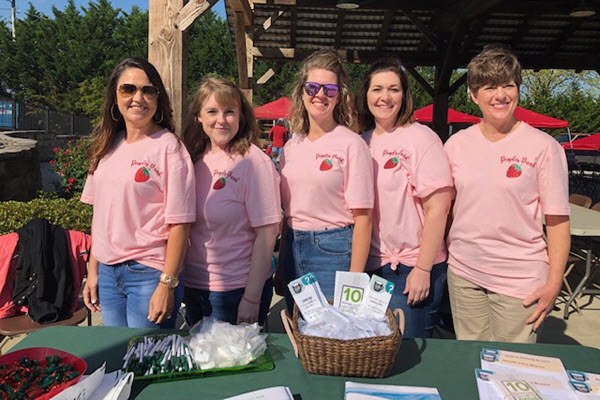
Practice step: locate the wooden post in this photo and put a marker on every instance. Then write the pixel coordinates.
(168, 23)
(244, 44)
(167, 51)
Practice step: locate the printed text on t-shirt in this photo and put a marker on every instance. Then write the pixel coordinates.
(400, 153)
(515, 159)
(147, 165)
(327, 155)
(227, 174)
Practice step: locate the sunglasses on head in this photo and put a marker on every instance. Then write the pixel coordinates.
(329, 89)
(129, 90)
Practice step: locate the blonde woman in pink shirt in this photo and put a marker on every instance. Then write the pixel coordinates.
(326, 177)
(413, 192)
(227, 272)
(503, 277)
(141, 184)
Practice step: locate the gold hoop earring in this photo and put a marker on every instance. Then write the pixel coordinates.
(161, 117)
(112, 113)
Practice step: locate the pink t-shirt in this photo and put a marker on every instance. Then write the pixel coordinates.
(408, 164)
(502, 190)
(235, 194)
(137, 190)
(322, 181)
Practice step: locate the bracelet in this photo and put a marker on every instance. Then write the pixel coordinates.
(250, 301)
(422, 269)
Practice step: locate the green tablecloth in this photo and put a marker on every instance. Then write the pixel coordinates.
(445, 364)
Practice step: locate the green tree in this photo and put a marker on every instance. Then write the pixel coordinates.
(210, 49)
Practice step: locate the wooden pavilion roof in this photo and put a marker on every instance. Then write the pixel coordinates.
(427, 32)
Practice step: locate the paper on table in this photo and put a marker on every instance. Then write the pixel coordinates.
(585, 384)
(83, 389)
(520, 363)
(365, 391)
(500, 386)
(272, 393)
(114, 386)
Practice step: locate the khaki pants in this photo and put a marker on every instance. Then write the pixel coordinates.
(480, 314)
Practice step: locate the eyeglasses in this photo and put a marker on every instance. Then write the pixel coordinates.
(312, 88)
(129, 90)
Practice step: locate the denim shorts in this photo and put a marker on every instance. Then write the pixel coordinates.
(320, 252)
(223, 306)
(125, 290)
(421, 317)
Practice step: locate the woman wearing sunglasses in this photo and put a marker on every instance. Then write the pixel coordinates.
(141, 184)
(327, 178)
(413, 192)
(228, 266)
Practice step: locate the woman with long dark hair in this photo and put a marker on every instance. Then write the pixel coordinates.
(141, 184)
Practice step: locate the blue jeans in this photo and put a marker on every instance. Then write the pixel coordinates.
(320, 252)
(223, 306)
(420, 318)
(125, 290)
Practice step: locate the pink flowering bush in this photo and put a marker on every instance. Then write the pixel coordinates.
(71, 164)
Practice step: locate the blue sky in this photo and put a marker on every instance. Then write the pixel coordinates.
(45, 6)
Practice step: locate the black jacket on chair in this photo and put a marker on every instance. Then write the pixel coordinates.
(43, 279)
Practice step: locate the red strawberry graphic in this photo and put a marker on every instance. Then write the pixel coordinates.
(391, 163)
(219, 184)
(142, 174)
(514, 171)
(326, 165)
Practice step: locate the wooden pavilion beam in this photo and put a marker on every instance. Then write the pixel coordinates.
(244, 43)
(168, 21)
(339, 28)
(268, 23)
(422, 81)
(385, 28)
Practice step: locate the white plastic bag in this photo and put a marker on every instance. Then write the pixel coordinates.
(217, 344)
(334, 324)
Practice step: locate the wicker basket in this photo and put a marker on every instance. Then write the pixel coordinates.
(369, 357)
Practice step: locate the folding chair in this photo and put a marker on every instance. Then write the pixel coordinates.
(78, 246)
(580, 200)
(22, 324)
(577, 255)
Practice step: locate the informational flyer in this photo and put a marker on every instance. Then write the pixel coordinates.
(272, 393)
(364, 391)
(501, 386)
(585, 384)
(510, 362)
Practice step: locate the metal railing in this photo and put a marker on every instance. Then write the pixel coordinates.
(21, 116)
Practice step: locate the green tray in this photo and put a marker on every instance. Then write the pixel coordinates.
(262, 363)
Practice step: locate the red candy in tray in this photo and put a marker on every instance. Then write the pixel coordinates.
(38, 373)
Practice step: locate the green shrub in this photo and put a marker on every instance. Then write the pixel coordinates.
(68, 213)
(72, 164)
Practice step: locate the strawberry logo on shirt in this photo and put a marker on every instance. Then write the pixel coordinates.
(326, 165)
(219, 184)
(142, 174)
(514, 171)
(391, 163)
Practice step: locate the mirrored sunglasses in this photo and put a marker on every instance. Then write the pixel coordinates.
(129, 90)
(329, 89)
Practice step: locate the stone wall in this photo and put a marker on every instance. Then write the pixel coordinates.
(46, 141)
(20, 177)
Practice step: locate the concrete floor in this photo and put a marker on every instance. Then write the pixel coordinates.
(579, 329)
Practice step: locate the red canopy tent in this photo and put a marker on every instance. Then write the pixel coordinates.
(425, 114)
(539, 120)
(274, 110)
(591, 142)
